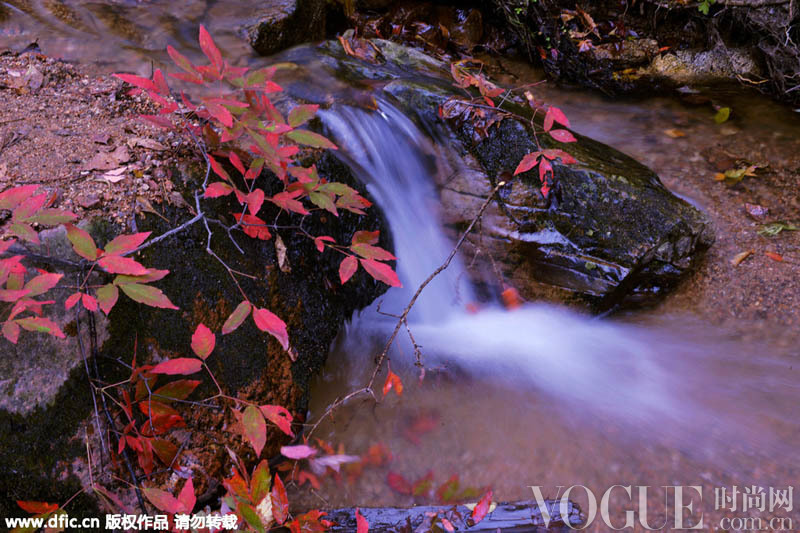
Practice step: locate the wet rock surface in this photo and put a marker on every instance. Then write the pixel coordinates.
(280, 24)
(609, 230)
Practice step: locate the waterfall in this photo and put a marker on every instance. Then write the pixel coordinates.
(648, 378)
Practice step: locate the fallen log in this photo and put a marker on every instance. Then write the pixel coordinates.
(515, 517)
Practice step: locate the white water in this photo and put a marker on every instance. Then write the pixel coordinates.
(698, 394)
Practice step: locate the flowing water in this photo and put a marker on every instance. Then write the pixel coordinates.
(535, 396)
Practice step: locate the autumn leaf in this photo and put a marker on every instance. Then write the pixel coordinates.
(162, 500)
(528, 162)
(177, 390)
(309, 138)
(117, 264)
(180, 365)
(482, 508)
(37, 507)
(347, 268)
(280, 416)
(362, 526)
(237, 317)
(774, 256)
(89, 302)
(186, 497)
(740, 257)
(381, 272)
(301, 451)
(301, 114)
(562, 136)
(210, 49)
(41, 325)
(555, 114)
(260, 482)
(203, 341)
(73, 299)
(217, 189)
(107, 296)
(255, 428)
(280, 502)
(126, 243)
(266, 320)
(42, 283)
(393, 382)
(147, 295)
(82, 242)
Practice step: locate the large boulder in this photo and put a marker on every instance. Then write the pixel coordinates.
(609, 230)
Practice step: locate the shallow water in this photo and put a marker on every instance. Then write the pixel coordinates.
(536, 396)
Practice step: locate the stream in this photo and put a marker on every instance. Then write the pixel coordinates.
(682, 394)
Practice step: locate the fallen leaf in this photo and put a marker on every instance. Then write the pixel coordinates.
(736, 261)
(674, 133)
(280, 250)
(144, 142)
(774, 256)
(114, 176)
(722, 115)
(109, 160)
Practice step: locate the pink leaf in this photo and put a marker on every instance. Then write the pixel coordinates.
(562, 136)
(267, 321)
(107, 296)
(362, 526)
(126, 243)
(162, 500)
(42, 283)
(186, 497)
(301, 451)
(210, 49)
(181, 365)
(116, 264)
(320, 241)
(381, 272)
(89, 302)
(347, 268)
(203, 341)
(527, 163)
(138, 81)
(217, 189)
(72, 300)
(555, 114)
(482, 508)
(280, 416)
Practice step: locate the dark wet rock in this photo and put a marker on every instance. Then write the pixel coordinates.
(279, 24)
(610, 229)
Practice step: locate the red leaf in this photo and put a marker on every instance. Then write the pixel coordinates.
(280, 416)
(186, 497)
(126, 243)
(266, 320)
(255, 428)
(11, 198)
(220, 113)
(381, 272)
(555, 114)
(107, 296)
(347, 268)
(286, 200)
(147, 295)
(177, 390)
(362, 526)
(301, 451)
(82, 242)
(41, 325)
(72, 300)
(482, 508)
(365, 237)
(217, 168)
(180, 60)
(562, 136)
(217, 189)
(511, 298)
(565, 157)
(398, 483)
(181, 365)
(203, 341)
(137, 81)
(527, 163)
(280, 502)
(774, 256)
(254, 201)
(320, 242)
(237, 317)
(160, 83)
(253, 226)
(544, 168)
(162, 500)
(11, 331)
(372, 252)
(89, 302)
(116, 264)
(37, 507)
(210, 49)
(41, 284)
(393, 382)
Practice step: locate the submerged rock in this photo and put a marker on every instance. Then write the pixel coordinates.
(609, 230)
